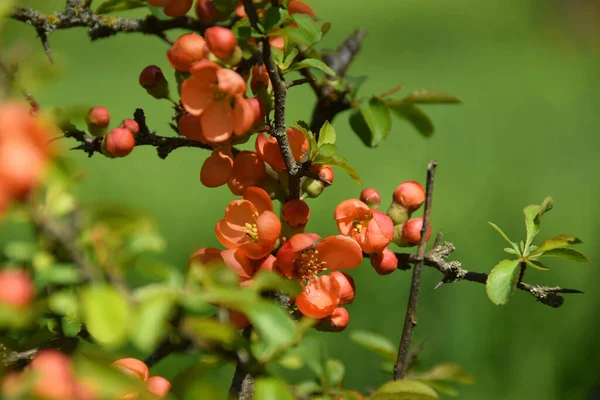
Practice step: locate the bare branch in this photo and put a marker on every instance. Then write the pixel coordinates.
(410, 320)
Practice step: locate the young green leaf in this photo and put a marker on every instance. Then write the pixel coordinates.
(327, 134)
(313, 63)
(404, 390)
(558, 242)
(328, 150)
(413, 114)
(275, 17)
(105, 314)
(446, 372)
(536, 264)
(270, 388)
(533, 214)
(375, 342)
(377, 117)
(288, 59)
(335, 372)
(307, 24)
(565, 254)
(502, 282)
(429, 96)
(501, 232)
(206, 328)
(151, 320)
(109, 6)
(341, 162)
(273, 324)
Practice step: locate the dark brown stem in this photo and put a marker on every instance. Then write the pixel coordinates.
(242, 383)
(410, 319)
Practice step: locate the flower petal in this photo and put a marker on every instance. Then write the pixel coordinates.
(339, 252)
(206, 257)
(379, 233)
(229, 237)
(243, 116)
(217, 121)
(269, 228)
(231, 82)
(196, 95)
(259, 198)
(320, 297)
(238, 213)
(205, 70)
(238, 263)
(290, 249)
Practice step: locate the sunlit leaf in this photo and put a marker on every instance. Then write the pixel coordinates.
(501, 232)
(105, 314)
(451, 372)
(274, 326)
(429, 96)
(413, 114)
(313, 63)
(533, 215)
(373, 123)
(269, 281)
(209, 329)
(335, 372)
(404, 390)
(502, 282)
(375, 342)
(327, 134)
(275, 17)
(566, 254)
(536, 264)
(270, 388)
(558, 242)
(340, 162)
(151, 320)
(109, 6)
(307, 24)
(306, 388)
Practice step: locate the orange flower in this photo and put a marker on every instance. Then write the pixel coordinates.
(217, 95)
(217, 169)
(268, 149)
(372, 229)
(305, 255)
(320, 297)
(250, 224)
(244, 267)
(207, 256)
(248, 170)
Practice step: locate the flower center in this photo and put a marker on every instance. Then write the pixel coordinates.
(308, 265)
(361, 221)
(220, 95)
(251, 230)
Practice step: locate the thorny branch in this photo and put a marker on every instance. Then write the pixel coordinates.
(410, 320)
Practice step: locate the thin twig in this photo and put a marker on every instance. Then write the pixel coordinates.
(411, 311)
(242, 383)
(298, 82)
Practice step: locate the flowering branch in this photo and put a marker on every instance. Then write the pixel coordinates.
(453, 272)
(79, 14)
(410, 320)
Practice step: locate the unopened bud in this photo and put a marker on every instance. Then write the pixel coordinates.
(220, 41)
(97, 120)
(409, 234)
(178, 8)
(206, 11)
(370, 197)
(153, 80)
(258, 109)
(296, 213)
(187, 49)
(384, 263)
(312, 187)
(118, 143)
(131, 125)
(410, 195)
(336, 322)
(398, 214)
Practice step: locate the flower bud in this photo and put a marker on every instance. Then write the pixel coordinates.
(336, 322)
(186, 50)
(398, 214)
(206, 11)
(133, 367)
(248, 170)
(189, 126)
(410, 195)
(260, 78)
(220, 41)
(97, 120)
(152, 79)
(119, 142)
(296, 213)
(370, 197)
(178, 8)
(312, 187)
(217, 168)
(324, 172)
(384, 263)
(347, 287)
(131, 125)
(409, 234)
(158, 386)
(299, 7)
(236, 57)
(258, 109)
(16, 288)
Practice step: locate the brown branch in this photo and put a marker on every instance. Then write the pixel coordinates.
(242, 383)
(410, 320)
(78, 14)
(453, 272)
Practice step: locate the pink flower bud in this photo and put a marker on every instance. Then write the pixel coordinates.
(411, 232)
(206, 11)
(131, 125)
(384, 263)
(158, 386)
(152, 79)
(178, 8)
(370, 197)
(97, 120)
(410, 195)
(296, 213)
(186, 50)
(119, 142)
(220, 41)
(16, 288)
(336, 322)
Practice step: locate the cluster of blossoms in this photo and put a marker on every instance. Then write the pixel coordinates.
(24, 151)
(117, 142)
(50, 375)
(257, 240)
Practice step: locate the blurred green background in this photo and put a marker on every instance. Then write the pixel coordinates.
(528, 74)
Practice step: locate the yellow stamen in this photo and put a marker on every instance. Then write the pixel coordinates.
(309, 265)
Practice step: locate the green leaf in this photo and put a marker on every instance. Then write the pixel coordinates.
(270, 388)
(328, 150)
(289, 58)
(335, 372)
(313, 63)
(274, 326)
(558, 242)
(451, 372)
(429, 96)
(20, 252)
(501, 232)
(59, 274)
(404, 390)
(275, 17)
(339, 161)
(413, 114)
(307, 24)
(306, 388)
(565, 254)
(151, 320)
(536, 265)
(327, 134)
(533, 214)
(225, 6)
(105, 314)
(375, 342)
(502, 282)
(269, 281)
(109, 6)
(378, 120)
(206, 328)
